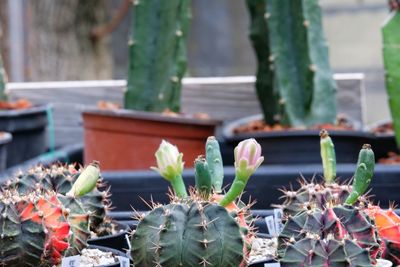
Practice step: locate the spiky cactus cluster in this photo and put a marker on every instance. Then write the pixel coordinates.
(39, 227)
(388, 227)
(204, 227)
(294, 84)
(331, 228)
(312, 194)
(60, 178)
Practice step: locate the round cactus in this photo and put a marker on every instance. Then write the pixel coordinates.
(184, 234)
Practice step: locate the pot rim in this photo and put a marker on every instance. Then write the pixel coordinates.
(153, 116)
(43, 108)
(227, 131)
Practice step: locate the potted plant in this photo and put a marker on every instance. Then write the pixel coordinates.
(26, 123)
(152, 98)
(294, 85)
(388, 133)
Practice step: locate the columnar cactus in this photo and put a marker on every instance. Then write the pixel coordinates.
(391, 59)
(294, 83)
(203, 228)
(60, 178)
(347, 225)
(157, 54)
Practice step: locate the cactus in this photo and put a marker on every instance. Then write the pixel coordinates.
(391, 58)
(294, 83)
(388, 227)
(60, 178)
(34, 230)
(203, 228)
(3, 79)
(334, 221)
(157, 54)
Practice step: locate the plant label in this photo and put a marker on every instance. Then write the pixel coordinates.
(128, 241)
(278, 213)
(73, 261)
(275, 264)
(123, 261)
(269, 220)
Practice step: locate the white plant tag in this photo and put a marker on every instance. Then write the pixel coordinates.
(269, 220)
(73, 261)
(123, 261)
(275, 264)
(128, 241)
(278, 213)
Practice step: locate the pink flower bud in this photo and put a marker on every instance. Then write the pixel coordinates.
(248, 157)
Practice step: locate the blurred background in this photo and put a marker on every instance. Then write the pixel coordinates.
(47, 40)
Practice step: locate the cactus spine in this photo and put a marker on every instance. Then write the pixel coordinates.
(391, 58)
(157, 54)
(294, 81)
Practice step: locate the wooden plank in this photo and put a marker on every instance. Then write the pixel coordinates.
(224, 98)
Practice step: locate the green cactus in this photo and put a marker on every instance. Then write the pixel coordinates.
(295, 84)
(328, 157)
(157, 54)
(391, 58)
(215, 164)
(3, 79)
(187, 235)
(202, 177)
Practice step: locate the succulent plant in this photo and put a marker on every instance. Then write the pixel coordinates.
(202, 228)
(157, 54)
(314, 229)
(391, 58)
(60, 178)
(315, 194)
(294, 84)
(388, 226)
(41, 226)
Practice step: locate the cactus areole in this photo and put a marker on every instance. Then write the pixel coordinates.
(157, 52)
(294, 84)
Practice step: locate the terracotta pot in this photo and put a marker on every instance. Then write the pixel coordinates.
(125, 139)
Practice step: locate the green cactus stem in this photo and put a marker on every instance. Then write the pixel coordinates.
(363, 174)
(202, 177)
(215, 164)
(197, 234)
(178, 185)
(391, 58)
(237, 188)
(157, 54)
(301, 90)
(328, 157)
(3, 79)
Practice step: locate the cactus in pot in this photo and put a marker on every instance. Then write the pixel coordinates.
(41, 226)
(391, 59)
(157, 51)
(202, 227)
(294, 84)
(336, 233)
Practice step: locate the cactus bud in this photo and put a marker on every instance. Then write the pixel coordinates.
(247, 158)
(169, 161)
(86, 181)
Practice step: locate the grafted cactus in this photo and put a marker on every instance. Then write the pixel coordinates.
(202, 228)
(157, 54)
(294, 83)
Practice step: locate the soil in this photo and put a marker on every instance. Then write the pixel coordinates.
(263, 249)
(393, 158)
(261, 126)
(386, 128)
(96, 257)
(19, 104)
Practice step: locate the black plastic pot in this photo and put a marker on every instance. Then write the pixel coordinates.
(383, 144)
(114, 252)
(129, 188)
(294, 146)
(28, 128)
(119, 241)
(5, 139)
